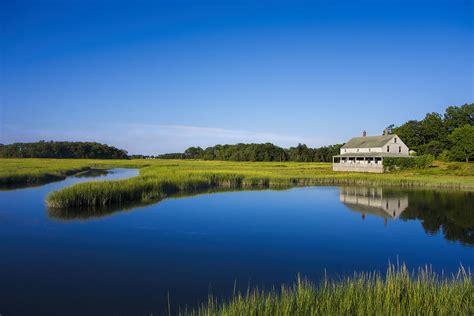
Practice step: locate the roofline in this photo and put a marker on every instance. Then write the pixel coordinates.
(392, 135)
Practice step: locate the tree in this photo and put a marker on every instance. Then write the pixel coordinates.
(193, 153)
(456, 116)
(432, 128)
(434, 148)
(410, 133)
(431, 135)
(462, 143)
(51, 149)
(301, 153)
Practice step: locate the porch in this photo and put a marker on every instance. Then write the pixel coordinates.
(357, 163)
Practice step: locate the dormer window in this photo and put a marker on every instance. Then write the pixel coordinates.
(344, 150)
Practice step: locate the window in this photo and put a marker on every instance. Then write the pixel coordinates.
(399, 149)
(344, 150)
(370, 149)
(388, 149)
(395, 140)
(357, 149)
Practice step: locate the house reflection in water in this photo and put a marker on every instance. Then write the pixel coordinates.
(373, 201)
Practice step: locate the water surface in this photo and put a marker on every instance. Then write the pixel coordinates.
(128, 261)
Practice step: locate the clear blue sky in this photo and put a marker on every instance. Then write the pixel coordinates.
(154, 77)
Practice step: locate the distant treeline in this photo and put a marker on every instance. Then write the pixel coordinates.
(51, 149)
(448, 137)
(258, 152)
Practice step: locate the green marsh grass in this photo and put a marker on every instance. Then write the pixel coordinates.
(398, 292)
(162, 178)
(32, 171)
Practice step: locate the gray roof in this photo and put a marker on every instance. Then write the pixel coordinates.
(374, 154)
(368, 141)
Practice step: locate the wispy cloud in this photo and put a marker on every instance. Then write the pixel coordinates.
(156, 138)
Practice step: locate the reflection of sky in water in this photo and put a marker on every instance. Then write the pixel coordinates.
(128, 261)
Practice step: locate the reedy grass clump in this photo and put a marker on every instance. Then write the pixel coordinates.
(399, 292)
(108, 193)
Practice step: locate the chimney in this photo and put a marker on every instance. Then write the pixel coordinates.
(385, 131)
(364, 134)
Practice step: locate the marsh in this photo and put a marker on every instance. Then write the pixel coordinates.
(131, 260)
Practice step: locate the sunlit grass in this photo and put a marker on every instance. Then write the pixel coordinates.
(161, 178)
(25, 171)
(398, 292)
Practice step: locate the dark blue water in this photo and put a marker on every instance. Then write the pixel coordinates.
(128, 261)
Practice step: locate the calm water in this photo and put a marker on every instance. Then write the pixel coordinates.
(127, 262)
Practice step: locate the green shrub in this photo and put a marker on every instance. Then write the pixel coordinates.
(423, 162)
(444, 156)
(419, 162)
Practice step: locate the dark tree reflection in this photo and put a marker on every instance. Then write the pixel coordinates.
(449, 213)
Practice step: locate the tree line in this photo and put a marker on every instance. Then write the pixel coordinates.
(258, 152)
(52, 149)
(447, 137)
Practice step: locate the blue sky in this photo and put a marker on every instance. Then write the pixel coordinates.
(159, 76)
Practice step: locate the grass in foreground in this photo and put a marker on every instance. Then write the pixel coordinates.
(161, 178)
(399, 292)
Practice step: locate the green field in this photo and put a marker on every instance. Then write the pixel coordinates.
(398, 292)
(159, 179)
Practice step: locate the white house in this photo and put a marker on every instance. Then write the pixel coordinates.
(366, 153)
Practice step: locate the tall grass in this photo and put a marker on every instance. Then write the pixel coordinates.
(398, 292)
(162, 178)
(143, 189)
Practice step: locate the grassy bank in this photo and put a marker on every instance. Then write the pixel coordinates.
(161, 178)
(399, 292)
(32, 171)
